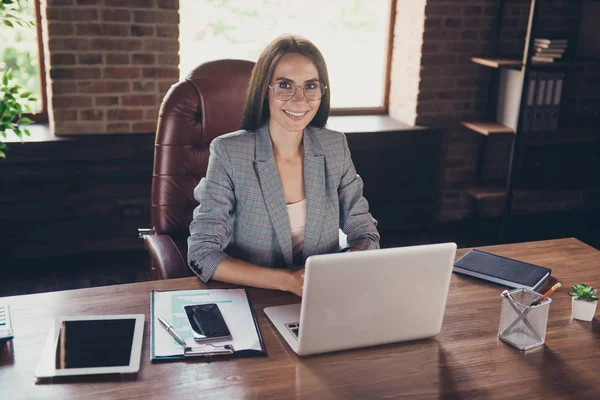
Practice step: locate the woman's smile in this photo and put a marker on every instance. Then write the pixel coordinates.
(295, 116)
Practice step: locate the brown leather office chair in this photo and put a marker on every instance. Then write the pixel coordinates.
(207, 104)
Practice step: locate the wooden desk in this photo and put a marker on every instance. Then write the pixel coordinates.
(465, 361)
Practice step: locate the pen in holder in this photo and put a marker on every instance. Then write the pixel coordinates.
(522, 322)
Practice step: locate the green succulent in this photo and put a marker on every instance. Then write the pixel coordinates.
(584, 292)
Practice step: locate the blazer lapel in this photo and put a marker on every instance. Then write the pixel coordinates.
(270, 184)
(314, 186)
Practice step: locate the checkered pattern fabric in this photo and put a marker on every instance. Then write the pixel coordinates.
(242, 211)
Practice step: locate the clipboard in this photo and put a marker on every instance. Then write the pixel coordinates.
(236, 308)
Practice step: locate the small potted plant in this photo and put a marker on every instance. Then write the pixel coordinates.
(584, 302)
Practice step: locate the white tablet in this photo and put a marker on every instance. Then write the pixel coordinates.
(89, 345)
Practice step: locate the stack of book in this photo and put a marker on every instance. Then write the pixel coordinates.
(549, 50)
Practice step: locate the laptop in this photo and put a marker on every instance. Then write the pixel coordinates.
(367, 298)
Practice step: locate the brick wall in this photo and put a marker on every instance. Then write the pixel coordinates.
(109, 63)
(452, 89)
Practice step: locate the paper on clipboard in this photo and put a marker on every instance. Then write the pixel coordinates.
(234, 306)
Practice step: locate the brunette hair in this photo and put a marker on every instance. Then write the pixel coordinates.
(256, 109)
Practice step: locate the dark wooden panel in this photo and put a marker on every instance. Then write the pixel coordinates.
(562, 166)
(75, 195)
(72, 195)
(400, 171)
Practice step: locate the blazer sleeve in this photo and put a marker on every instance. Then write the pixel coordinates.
(211, 224)
(355, 220)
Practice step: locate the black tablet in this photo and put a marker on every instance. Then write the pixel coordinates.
(88, 345)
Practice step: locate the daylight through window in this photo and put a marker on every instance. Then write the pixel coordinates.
(351, 34)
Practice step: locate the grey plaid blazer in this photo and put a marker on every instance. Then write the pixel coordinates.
(242, 211)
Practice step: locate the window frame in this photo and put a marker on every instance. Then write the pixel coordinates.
(42, 116)
(383, 110)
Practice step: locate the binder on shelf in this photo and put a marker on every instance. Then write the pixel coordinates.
(528, 111)
(246, 339)
(548, 102)
(555, 101)
(509, 99)
(538, 107)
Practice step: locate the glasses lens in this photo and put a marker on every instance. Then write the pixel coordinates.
(284, 91)
(314, 91)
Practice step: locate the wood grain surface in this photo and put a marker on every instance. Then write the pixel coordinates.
(466, 360)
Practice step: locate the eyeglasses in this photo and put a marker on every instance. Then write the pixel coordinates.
(285, 91)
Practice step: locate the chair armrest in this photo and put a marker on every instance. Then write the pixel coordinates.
(166, 260)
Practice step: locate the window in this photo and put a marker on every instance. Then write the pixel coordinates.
(353, 36)
(20, 51)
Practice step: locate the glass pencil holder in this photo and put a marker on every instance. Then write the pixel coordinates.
(522, 325)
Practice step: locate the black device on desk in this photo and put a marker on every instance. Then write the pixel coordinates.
(207, 322)
(6, 331)
(502, 270)
(92, 345)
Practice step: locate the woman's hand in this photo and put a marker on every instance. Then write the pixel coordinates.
(296, 282)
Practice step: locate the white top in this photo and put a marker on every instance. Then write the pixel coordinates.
(297, 214)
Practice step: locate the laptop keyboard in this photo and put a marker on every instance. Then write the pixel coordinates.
(294, 328)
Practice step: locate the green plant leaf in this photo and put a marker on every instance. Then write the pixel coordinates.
(8, 23)
(5, 79)
(2, 154)
(27, 132)
(3, 146)
(25, 94)
(8, 1)
(584, 292)
(24, 121)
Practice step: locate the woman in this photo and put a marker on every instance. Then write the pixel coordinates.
(277, 191)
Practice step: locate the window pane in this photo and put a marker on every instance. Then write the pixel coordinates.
(19, 52)
(351, 34)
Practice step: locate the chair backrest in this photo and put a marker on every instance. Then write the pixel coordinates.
(207, 104)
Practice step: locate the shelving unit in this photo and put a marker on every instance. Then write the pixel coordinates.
(489, 127)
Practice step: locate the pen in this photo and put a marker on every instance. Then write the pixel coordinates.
(545, 296)
(172, 332)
